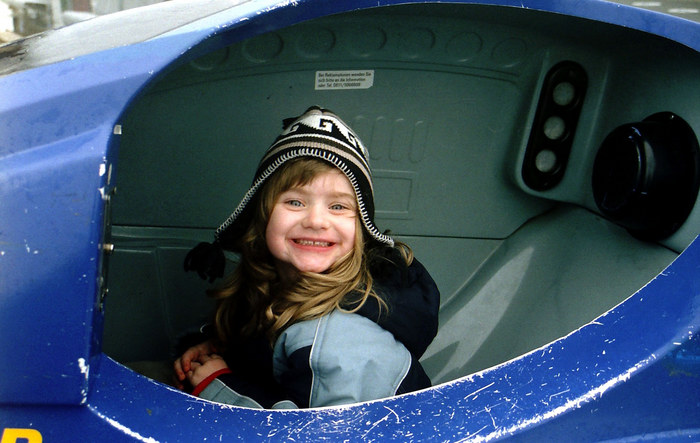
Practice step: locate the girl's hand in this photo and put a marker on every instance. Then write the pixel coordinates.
(183, 365)
(204, 367)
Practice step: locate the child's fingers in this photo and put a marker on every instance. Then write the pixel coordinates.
(179, 373)
(190, 355)
(183, 365)
(208, 357)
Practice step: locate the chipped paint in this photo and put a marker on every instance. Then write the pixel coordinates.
(85, 370)
(570, 404)
(84, 367)
(126, 430)
(383, 419)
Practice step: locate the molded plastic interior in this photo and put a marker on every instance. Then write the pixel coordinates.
(446, 120)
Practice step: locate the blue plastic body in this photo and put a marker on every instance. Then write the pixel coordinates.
(635, 371)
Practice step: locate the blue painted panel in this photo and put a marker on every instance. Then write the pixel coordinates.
(608, 367)
(52, 166)
(49, 254)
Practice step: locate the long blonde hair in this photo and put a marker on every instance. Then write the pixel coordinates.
(254, 300)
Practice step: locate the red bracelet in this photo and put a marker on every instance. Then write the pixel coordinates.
(204, 383)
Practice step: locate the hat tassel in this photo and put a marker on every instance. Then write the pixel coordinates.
(207, 259)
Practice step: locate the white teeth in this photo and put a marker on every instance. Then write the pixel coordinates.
(312, 243)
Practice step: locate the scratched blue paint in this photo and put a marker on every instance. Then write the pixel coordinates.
(633, 371)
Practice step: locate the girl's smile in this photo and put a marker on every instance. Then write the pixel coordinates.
(312, 226)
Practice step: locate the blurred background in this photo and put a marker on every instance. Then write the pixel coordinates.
(21, 18)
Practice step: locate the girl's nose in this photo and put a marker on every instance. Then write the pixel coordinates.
(316, 218)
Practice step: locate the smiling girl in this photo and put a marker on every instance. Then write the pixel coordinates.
(323, 309)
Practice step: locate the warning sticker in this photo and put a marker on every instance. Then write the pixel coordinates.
(344, 79)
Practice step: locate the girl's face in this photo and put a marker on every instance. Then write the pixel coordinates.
(312, 226)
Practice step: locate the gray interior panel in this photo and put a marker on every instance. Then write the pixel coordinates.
(446, 118)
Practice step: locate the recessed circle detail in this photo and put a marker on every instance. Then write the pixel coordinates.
(563, 93)
(415, 42)
(211, 60)
(546, 161)
(464, 47)
(509, 52)
(314, 42)
(263, 48)
(554, 127)
(365, 41)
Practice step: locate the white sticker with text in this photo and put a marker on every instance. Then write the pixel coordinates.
(363, 79)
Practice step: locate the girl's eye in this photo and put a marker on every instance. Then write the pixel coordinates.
(340, 207)
(295, 203)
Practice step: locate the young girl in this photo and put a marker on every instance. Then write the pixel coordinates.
(323, 309)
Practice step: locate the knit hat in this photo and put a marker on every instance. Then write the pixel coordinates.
(317, 133)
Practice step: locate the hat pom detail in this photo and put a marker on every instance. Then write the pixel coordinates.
(207, 259)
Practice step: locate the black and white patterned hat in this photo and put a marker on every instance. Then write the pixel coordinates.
(317, 133)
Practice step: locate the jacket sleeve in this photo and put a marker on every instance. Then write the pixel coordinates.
(414, 303)
(220, 392)
(248, 381)
(338, 359)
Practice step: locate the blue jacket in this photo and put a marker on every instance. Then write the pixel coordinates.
(342, 357)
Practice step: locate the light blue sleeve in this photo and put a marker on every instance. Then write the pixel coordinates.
(352, 358)
(218, 391)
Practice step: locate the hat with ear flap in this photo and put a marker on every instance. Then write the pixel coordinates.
(317, 133)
